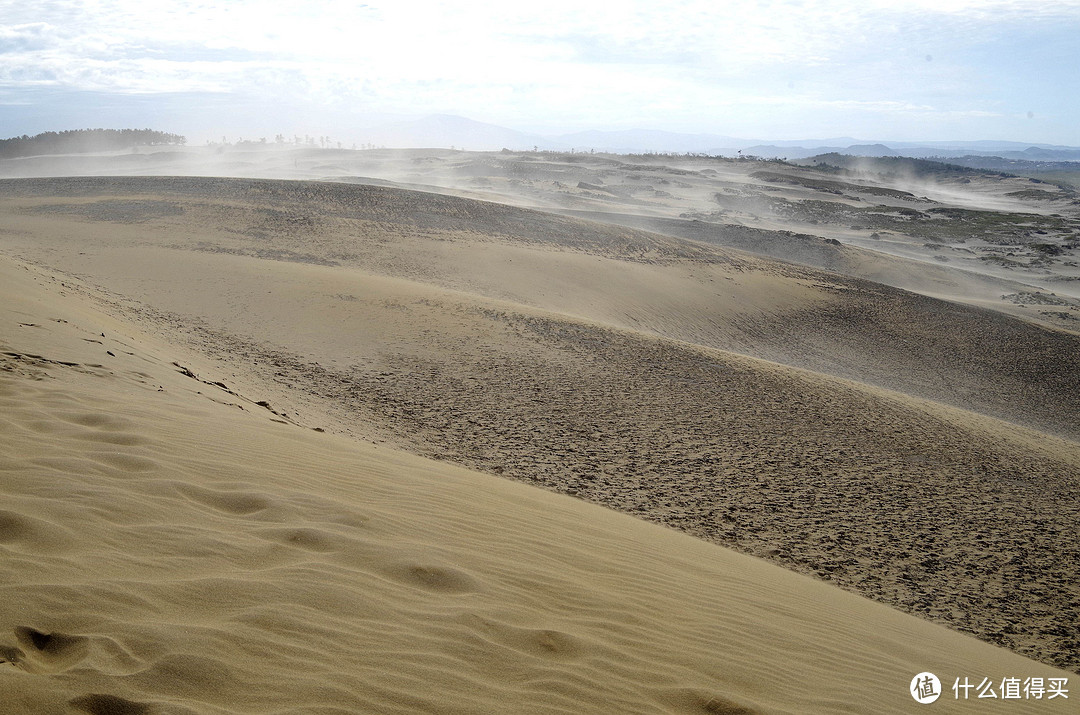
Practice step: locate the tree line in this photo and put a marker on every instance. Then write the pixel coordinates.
(85, 140)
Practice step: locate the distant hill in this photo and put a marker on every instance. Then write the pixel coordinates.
(1050, 171)
(450, 131)
(888, 165)
(631, 141)
(445, 131)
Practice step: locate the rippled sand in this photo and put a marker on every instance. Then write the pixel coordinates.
(176, 537)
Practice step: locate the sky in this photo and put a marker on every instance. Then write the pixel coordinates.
(905, 70)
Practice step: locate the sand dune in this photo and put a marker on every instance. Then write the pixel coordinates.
(625, 278)
(973, 237)
(170, 545)
(878, 439)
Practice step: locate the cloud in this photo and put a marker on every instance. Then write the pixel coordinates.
(28, 37)
(563, 60)
(499, 41)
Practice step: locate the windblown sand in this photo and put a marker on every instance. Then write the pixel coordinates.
(987, 239)
(175, 537)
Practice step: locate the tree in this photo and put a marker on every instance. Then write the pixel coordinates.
(86, 140)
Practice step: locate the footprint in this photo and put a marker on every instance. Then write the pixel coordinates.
(440, 579)
(699, 702)
(303, 538)
(549, 643)
(718, 705)
(98, 420)
(540, 642)
(27, 532)
(50, 652)
(125, 462)
(241, 503)
(100, 704)
(15, 527)
(10, 654)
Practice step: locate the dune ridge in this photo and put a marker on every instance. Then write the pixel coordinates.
(165, 551)
(945, 231)
(623, 277)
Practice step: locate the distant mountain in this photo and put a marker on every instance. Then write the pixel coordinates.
(776, 151)
(631, 141)
(939, 166)
(1034, 153)
(976, 147)
(871, 150)
(800, 143)
(773, 151)
(446, 131)
(1031, 153)
(937, 151)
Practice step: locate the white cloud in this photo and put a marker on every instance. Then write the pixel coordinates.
(498, 41)
(583, 63)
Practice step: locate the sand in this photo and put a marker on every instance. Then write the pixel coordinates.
(165, 551)
(178, 534)
(961, 235)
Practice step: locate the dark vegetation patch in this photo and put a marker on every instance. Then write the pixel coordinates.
(1062, 174)
(938, 223)
(85, 140)
(891, 166)
(1038, 194)
(833, 187)
(1038, 298)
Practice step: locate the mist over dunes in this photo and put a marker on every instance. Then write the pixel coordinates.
(712, 346)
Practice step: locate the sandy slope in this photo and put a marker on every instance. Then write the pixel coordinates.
(598, 361)
(165, 551)
(692, 292)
